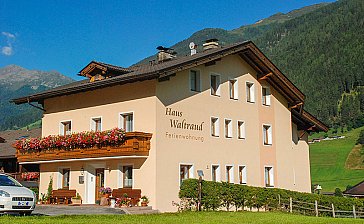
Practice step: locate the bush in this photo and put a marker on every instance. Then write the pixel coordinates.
(216, 195)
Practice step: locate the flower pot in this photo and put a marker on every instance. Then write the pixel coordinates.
(106, 195)
(76, 201)
(144, 204)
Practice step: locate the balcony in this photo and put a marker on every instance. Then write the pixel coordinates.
(133, 144)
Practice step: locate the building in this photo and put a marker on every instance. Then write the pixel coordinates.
(356, 191)
(227, 111)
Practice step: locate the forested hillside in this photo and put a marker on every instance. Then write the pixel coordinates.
(320, 48)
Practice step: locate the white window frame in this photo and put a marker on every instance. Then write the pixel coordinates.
(93, 123)
(229, 128)
(266, 99)
(270, 134)
(218, 173)
(190, 172)
(61, 127)
(219, 84)
(121, 120)
(251, 91)
(216, 127)
(198, 74)
(234, 95)
(231, 173)
(241, 130)
(60, 176)
(271, 176)
(244, 175)
(122, 174)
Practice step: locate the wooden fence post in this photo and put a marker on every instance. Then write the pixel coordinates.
(279, 201)
(354, 213)
(316, 208)
(333, 210)
(290, 205)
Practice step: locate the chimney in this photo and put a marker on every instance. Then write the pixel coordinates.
(210, 44)
(193, 48)
(165, 54)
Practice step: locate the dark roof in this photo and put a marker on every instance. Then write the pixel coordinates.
(6, 148)
(306, 121)
(357, 190)
(248, 51)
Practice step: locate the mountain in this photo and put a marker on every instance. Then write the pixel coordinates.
(320, 48)
(16, 81)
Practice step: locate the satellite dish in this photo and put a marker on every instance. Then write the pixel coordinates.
(192, 45)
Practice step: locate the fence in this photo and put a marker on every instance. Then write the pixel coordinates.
(315, 209)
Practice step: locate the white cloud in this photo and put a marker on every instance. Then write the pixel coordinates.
(10, 39)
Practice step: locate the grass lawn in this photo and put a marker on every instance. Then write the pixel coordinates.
(328, 163)
(176, 218)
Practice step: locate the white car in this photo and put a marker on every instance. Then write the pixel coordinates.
(14, 197)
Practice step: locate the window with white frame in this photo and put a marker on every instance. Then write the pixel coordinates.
(65, 128)
(96, 124)
(127, 176)
(228, 128)
(229, 174)
(185, 172)
(267, 134)
(242, 174)
(265, 96)
(241, 130)
(195, 82)
(233, 89)
(215, 85)
(127, 121)
(269, 176)
(215, 173)
(250, 97)
(66, 178)
(215, 126)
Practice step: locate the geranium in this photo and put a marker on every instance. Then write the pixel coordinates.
(105, 190)
(86, 139)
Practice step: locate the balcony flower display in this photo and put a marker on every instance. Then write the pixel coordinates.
(86, 139)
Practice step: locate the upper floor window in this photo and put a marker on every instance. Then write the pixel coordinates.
(215, 126)
(233, 89)
(228, 128)
(195, 82)
(185, 172)
(96, 124)
(65, 128)
(250, 97)
(215, 85)
(242, 174)
(269, 176)
(267, 134)
(266, 96)
(241, 129)
(127, 121)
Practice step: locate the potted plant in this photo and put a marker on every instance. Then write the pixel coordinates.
(77, 200)
(43, 198)
(105, 191)
(144, 201)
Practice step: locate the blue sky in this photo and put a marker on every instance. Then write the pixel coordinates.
(66, 35)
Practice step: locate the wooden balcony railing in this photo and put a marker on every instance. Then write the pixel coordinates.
(136, 144)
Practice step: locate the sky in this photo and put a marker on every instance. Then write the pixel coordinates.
(65, 35)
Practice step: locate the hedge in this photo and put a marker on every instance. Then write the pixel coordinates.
(217, 195)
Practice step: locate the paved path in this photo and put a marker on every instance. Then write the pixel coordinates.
(75, 210)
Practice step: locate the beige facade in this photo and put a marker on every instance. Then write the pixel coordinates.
(228, 112)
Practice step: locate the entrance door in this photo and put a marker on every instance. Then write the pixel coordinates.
(99, 183)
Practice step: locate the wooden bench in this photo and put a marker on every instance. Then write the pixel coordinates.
(62, 196)
(134, 194)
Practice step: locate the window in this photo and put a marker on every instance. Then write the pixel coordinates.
(215, 126)
(269, 181)
(185, 172)
(195, 81)
(215, 85)
(228, 128)
(215, 173)
(233, 89)
(266, 96)
(242, 174)
(128, 176)
(229, 174)
(65, 128)
(241, 130)
(127, 122)
(65, 178)
(96, 124)
(267, 135)
(250, 92)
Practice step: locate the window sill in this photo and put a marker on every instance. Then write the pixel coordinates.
(215, 95)
(241, 138)
(195, 91)
(228, 137)
(215, 136)
(251, 102)
(236, 99)
(267, 144)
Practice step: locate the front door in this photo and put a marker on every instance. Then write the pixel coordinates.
(99, 183)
